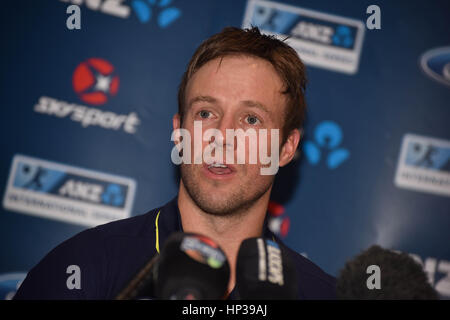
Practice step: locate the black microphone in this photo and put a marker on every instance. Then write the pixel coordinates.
(191, 267)
(265, 271)
(141, 286)
(399, 277)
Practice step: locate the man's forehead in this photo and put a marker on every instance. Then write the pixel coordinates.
(254, 79)
(250, 61)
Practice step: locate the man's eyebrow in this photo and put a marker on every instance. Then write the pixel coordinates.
(248, 103)
(202, 99)
(255, 104)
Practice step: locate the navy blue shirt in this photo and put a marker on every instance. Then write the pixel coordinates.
(109, 256)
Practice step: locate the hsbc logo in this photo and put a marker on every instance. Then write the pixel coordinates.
(95, 81)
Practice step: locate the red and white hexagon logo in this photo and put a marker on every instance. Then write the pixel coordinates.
(278, 222)
(94, 81)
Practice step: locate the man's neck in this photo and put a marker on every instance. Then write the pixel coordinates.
(227, 231)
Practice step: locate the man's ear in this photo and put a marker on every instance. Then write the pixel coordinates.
(176, 121)
(289, 147)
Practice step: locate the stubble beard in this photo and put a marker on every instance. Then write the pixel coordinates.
(227, 204)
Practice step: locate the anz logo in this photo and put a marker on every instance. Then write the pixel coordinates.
(328, 137)
(111, 195)
(340, 36)
(52, 181)
(145, 10)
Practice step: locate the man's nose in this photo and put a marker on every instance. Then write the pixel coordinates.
(226, 123)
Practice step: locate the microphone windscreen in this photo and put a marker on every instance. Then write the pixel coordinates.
(265, 271)
(399, 277)
(191, 267)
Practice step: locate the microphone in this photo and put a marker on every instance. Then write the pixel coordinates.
(190, 267)
(264, 271)
(141, 285)
(399, 277)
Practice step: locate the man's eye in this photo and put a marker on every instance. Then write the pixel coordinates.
(204, 114)
(252, 120)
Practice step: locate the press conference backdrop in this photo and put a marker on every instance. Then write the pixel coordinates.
(86, 123)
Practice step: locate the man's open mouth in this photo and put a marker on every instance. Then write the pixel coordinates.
(219, 168)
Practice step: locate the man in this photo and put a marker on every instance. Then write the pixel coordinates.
(237, 79)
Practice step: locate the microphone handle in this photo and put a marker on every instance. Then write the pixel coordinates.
(138, 282)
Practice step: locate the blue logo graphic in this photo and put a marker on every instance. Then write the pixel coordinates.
(145, 9)
(427, 156)
(42, 179)
(436, 64)
(9, 283)
(343, 37)
(328, 135)
(113, 195)
(273, 20)
(304, 27)
(36, 178)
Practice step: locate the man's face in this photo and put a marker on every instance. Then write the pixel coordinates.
(233, 92)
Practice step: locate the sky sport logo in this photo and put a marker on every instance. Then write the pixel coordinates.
(95, 82)
(278, 222)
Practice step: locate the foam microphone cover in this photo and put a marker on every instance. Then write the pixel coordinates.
(265, 271)
(191, 267)
(401, 277)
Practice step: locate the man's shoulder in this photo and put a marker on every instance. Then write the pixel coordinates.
(137, 226)
(314, 283)
(106, 255)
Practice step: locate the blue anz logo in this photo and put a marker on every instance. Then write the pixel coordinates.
(327, 139)
(145, 9)
(321, 39)
(343, 37)
(41, 179)
(113, 195)
(424, 165)
(427, 156)
(436, 64)
(67, 193)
